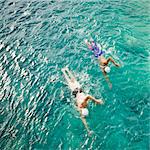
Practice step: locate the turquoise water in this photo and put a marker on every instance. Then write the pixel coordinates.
(38, 38)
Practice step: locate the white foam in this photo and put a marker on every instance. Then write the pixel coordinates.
(26, 13)
(12, 28)
(1, 46)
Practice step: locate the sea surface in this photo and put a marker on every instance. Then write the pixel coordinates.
(40, 37)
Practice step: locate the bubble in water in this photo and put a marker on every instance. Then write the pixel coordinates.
(22, 59)
(13, 54)
(26, 13)
(46, 60)
(7, 48)
(81, 31)
(1, 46)
(12, 27)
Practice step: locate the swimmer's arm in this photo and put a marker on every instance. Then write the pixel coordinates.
(107, 79)
(85, 124)
(95, 100)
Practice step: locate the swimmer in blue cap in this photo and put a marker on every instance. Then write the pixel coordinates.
(82, 99)
(99, 54)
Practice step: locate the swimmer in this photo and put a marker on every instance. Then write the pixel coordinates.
(99, 54)
(82, 99)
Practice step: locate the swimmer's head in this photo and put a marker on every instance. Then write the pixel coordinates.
(84, 112)
(80, 90)
(76, 91)
(107, 69)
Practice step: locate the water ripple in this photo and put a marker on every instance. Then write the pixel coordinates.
(37, 39)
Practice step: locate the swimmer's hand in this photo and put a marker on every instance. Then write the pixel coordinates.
(95, 100)
(99, 101)
(117, 65)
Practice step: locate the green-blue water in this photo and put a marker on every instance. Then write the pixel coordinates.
(38, 38)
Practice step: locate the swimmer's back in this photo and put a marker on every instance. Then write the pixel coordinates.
(80, 98)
